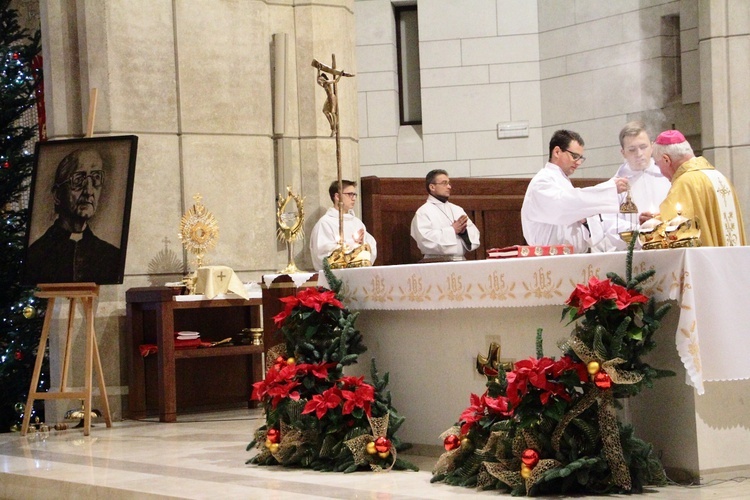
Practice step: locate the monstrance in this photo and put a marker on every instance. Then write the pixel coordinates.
(290, 216)
(199, 230)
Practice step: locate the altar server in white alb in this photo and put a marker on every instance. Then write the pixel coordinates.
(648, 187)
(325, 234)
(441, 229)
(556, 213)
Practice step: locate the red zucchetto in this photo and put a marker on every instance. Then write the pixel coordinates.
(670, 137)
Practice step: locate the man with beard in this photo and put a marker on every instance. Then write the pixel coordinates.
(69, 251)
(441, 229)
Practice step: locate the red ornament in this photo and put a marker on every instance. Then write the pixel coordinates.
(15, 56)
(382, 444)
(530, 457)
(602, 380)
(273, 435)
(451, 442)
(18, 355)
(6, 164)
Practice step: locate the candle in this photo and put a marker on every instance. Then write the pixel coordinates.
(678, 207)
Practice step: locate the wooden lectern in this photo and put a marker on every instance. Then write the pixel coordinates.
(86, 293)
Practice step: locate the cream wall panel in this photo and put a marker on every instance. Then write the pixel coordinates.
(517, 17)
(485, 145)
(449, 77)
(525, 103)
(581, 37)
(382, 113)
(384, 80)
(156, 208)
(615, 55)
(552, 68)
(688, 10)
(439, 147)
(362, 108)
(554, 14)
(509, 166)
(439, 54)
(714, 92)
(142, 90)
(740, 176)
(454, 169)
(689, 39)
(499, 50)
(409, 144)
(514, 72)
(591, 10)
(235, 177)
(449, 19)
(739, 91)
(378, 151)
(464, 109)
(219, 97)
(376, 58)
(739, 19)
(691, 80)
(374, 22)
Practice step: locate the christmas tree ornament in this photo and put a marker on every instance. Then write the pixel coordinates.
(6, 164)
(525, 471)
(602, 380)
(466, 443)
(29, 312)
(18, 355)
(382, 444)
(290, 361)
(274, 447)
(593, 367)
(530, 457)
(451, 442)
(370, 447)
(383, 454)
(273, 435)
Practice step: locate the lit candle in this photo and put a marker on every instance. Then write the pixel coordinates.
(678, 207)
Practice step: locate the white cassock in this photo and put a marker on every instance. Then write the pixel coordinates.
(325, 236)
(648, 188)
(432, 229)
(553, 209)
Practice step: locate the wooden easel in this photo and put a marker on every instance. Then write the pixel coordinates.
(86, 293)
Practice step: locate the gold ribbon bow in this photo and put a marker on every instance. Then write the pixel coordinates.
(358, 445)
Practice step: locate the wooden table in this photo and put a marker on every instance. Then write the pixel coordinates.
(213, 376)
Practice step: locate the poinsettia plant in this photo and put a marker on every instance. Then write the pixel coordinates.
(316, 416)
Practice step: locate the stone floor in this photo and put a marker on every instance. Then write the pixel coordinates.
(203, 456)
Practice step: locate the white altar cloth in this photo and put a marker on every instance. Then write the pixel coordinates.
(712, 337)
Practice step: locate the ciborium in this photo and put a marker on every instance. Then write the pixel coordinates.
(290, 217)
(683, 232)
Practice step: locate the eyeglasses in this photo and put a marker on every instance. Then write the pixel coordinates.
(575, 156)
(442, 183)
(78, 179)
(353, 196)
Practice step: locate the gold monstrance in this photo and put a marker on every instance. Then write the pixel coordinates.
(342, 256)
(290, 216)
(199, 230)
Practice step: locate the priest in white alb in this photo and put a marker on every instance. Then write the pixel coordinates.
(325, 236)
(699, 192)
(441, 229)
(556, 213)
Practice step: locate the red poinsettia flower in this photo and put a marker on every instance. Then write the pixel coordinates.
(361, 397)
(534, 373)
(319, 370)
(291, 302)
(321, 403)
(586, 296)
(566, 363)
(500, 405)
(282, 390)
(472, 414)
(626, 297)
(315, 299)
(352, 381)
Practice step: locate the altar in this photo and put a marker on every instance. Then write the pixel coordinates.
(426, 323)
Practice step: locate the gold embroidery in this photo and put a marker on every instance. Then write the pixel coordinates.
(454, 290)
(496, 288)
(586, 274)
(415, 291)
(688, 333)
(730, 229)
(543, 285)
(379, 293)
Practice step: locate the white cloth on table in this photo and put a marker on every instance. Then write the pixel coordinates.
(214, 280)
(324, 237)
(432, 229)
(553, 209)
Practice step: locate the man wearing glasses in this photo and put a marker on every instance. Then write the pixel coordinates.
(556, 213)
(442, 230)
(69, 251)
(325, 234)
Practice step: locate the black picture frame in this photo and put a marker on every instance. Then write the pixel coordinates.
(57, 259)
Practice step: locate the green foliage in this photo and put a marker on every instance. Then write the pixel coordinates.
(19, 336)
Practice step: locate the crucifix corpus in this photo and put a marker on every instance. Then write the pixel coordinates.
(328, 77)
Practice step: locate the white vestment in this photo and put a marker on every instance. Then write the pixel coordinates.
(648, 188)
(432, 229)
(553, 209)
(325, 236)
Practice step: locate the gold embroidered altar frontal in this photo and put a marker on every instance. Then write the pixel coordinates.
(707, 284)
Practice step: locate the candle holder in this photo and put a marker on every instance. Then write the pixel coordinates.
(257, 334)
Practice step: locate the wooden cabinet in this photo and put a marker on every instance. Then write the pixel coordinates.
(189, 379)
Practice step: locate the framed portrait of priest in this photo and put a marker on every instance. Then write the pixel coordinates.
(79, 210)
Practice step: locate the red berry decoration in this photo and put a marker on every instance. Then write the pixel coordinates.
(382, 444)
(530, 457)
(18, 355)
(451, 442)
(16, 56)
(6, 164)
(273, 435)
(602, 380)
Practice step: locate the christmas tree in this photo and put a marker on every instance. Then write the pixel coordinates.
(21, 314)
